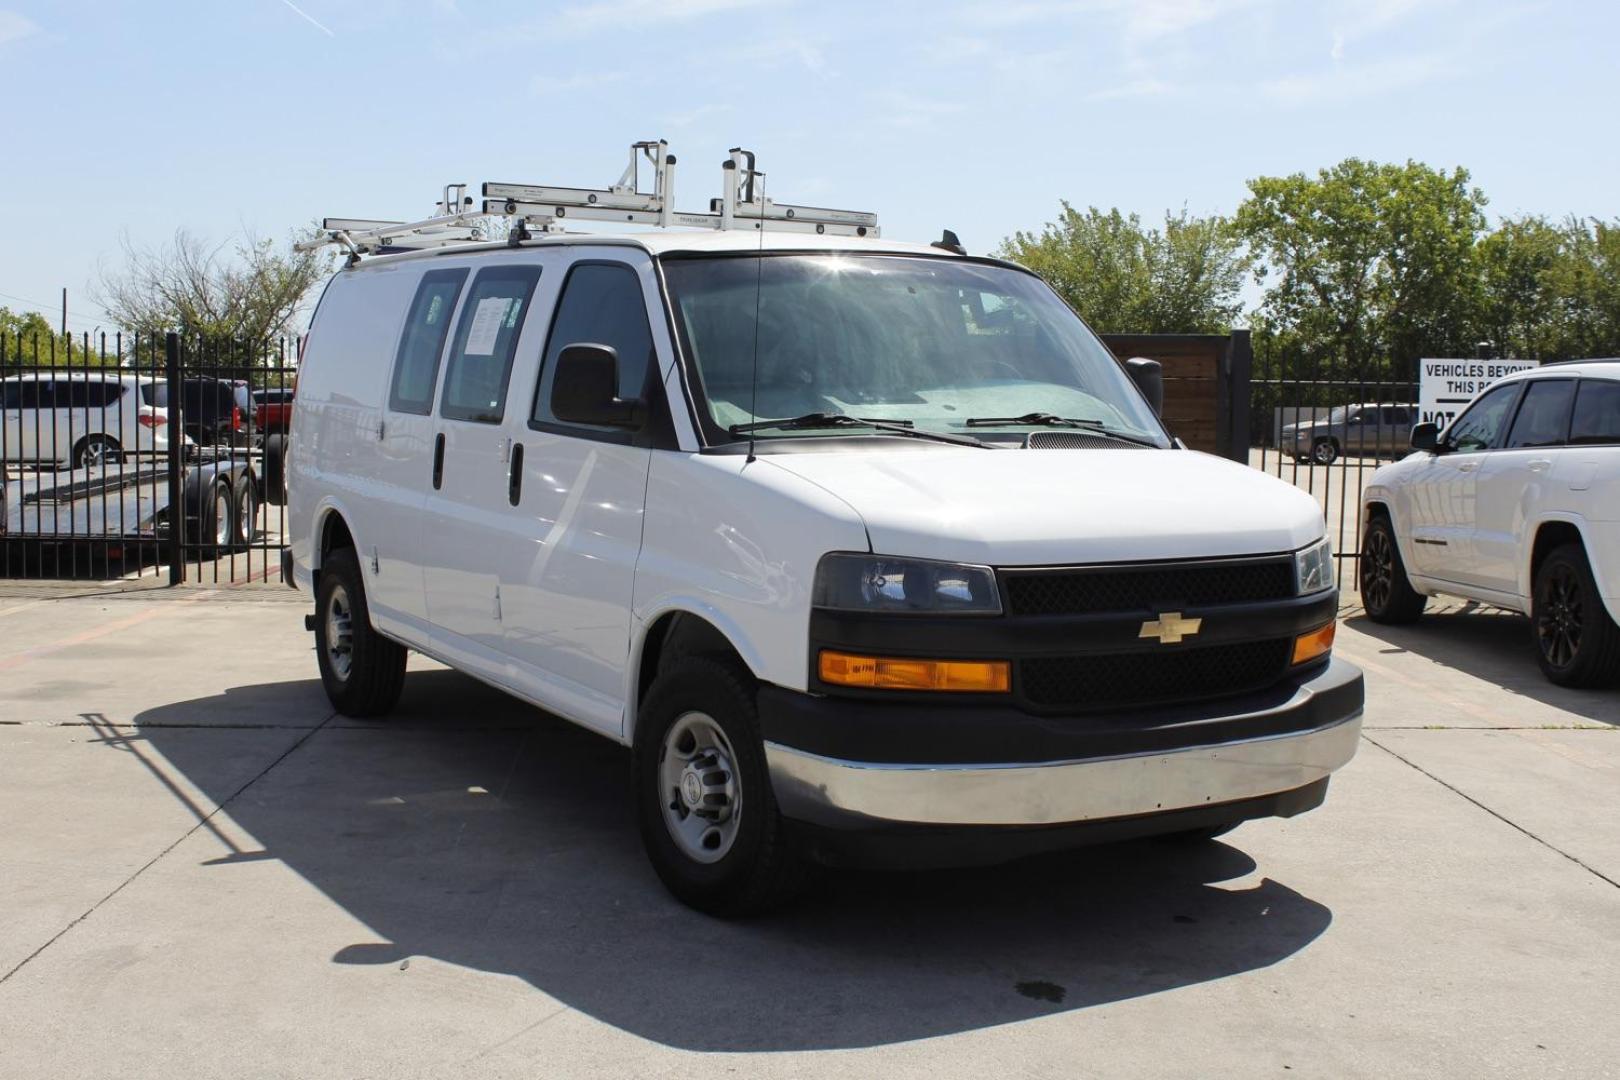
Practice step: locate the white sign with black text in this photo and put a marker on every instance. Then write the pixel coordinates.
(1446, 386)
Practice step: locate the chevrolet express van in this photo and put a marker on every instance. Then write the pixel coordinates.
(869, 551)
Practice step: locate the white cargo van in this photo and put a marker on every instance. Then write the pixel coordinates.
(870, 551)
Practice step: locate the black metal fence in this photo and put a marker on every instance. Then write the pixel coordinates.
(143, 455)
(1327, 435)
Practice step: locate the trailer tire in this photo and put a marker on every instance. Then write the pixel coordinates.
(275, 470)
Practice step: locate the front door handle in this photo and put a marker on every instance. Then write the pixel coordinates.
(1465, 466)
(514, 475)
(438, 461)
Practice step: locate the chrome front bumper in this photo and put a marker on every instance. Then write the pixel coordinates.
(829, 791)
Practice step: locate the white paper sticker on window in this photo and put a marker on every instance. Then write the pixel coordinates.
(486, 325)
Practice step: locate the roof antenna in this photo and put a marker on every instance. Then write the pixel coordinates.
(949, 242)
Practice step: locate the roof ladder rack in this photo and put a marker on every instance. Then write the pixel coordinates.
(742, 206)
(453, 222)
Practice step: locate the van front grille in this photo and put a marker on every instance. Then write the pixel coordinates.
(1146, 587)
(1152, 678)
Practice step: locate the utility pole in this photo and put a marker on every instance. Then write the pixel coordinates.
(64, 311)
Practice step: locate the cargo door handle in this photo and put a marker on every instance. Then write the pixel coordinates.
(1540, 465)
(1466, 466)
(514, 475)
(438, 461)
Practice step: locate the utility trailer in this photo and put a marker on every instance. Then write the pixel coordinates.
(103, 517)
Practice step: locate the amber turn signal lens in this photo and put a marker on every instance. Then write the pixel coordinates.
(900, 673)
(1316, 643)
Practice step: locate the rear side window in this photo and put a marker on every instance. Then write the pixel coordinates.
(1597, 412)
(1543, 414)
(601, 304)
(87, 393)
(17, 394)
(486, 339)
(155, 394)
(416, 366)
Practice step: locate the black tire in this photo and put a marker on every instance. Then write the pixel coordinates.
(1325, 451)
(96, 450)
(275, 470)
(762, 868)
(364, 675)
(216, 515)
(245, 519)
(1386, 593)
(1577, 643)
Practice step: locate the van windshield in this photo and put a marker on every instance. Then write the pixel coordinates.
(925, 341)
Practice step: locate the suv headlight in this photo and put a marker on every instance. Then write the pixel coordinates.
(1313, 567)
(846, 581)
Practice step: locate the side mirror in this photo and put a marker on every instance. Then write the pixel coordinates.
(585, 389)
(1149, 378)
(1426, 437)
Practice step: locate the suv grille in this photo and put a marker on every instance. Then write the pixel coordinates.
(1142, 678)
(1144, 587)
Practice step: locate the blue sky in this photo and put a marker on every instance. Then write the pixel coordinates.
(135, 118)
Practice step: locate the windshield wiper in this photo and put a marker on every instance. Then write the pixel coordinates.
(844, 420)
(1046, 419)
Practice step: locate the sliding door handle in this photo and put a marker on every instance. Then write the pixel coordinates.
(514, 475)
(438, 461)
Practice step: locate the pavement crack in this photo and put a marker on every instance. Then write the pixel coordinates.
(1594, 871)
(202, 822)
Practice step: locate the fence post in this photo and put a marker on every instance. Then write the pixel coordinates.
(177, 454)
(1240, 369)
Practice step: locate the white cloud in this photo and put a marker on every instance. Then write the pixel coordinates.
(630, 14)
(1352, 82)
(15, 26)
(903, 110)
(1137, 20)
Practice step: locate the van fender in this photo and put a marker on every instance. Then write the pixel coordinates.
(329, 505)
(696, 606)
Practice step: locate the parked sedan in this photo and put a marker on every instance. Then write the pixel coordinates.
(1369, 429)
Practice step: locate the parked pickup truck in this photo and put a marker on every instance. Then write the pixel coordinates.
(868, 551)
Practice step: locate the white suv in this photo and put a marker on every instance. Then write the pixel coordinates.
(869, 551)
(1516, 505)
(79, 419)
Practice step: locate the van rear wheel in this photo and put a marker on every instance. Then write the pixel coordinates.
(362, 671)
(703, 793)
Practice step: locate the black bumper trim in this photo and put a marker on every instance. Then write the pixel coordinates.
(993, 732)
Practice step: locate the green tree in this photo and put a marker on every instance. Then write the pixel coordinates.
(1520, 311)
(1586, 289)
(252, 295)
(1368, 266)
(1124, 278)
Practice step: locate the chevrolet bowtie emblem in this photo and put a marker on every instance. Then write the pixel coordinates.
(1170, 627)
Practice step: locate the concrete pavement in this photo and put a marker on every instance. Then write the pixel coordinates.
(204, 872)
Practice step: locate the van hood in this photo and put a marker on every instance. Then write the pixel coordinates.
(1055, 507)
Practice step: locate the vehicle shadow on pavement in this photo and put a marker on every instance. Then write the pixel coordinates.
(1494, 645)
(478, 831)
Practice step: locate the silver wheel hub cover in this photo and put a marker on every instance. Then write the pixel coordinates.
(699, 788)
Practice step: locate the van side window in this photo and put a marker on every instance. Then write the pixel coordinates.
(1597, 412)
(416, 365)
(1543, 414)
(486, 338)
(601, 304)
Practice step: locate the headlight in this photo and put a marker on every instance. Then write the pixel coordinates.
(850, 582)
(1313, 567)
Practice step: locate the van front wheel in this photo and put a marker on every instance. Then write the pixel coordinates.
(703, 793)
(362, 671)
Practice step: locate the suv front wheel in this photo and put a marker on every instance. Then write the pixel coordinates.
(703, 793)
(1386, 594)
(1576, 641)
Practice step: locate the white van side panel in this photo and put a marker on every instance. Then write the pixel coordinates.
(737, 542)
(342, 383)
